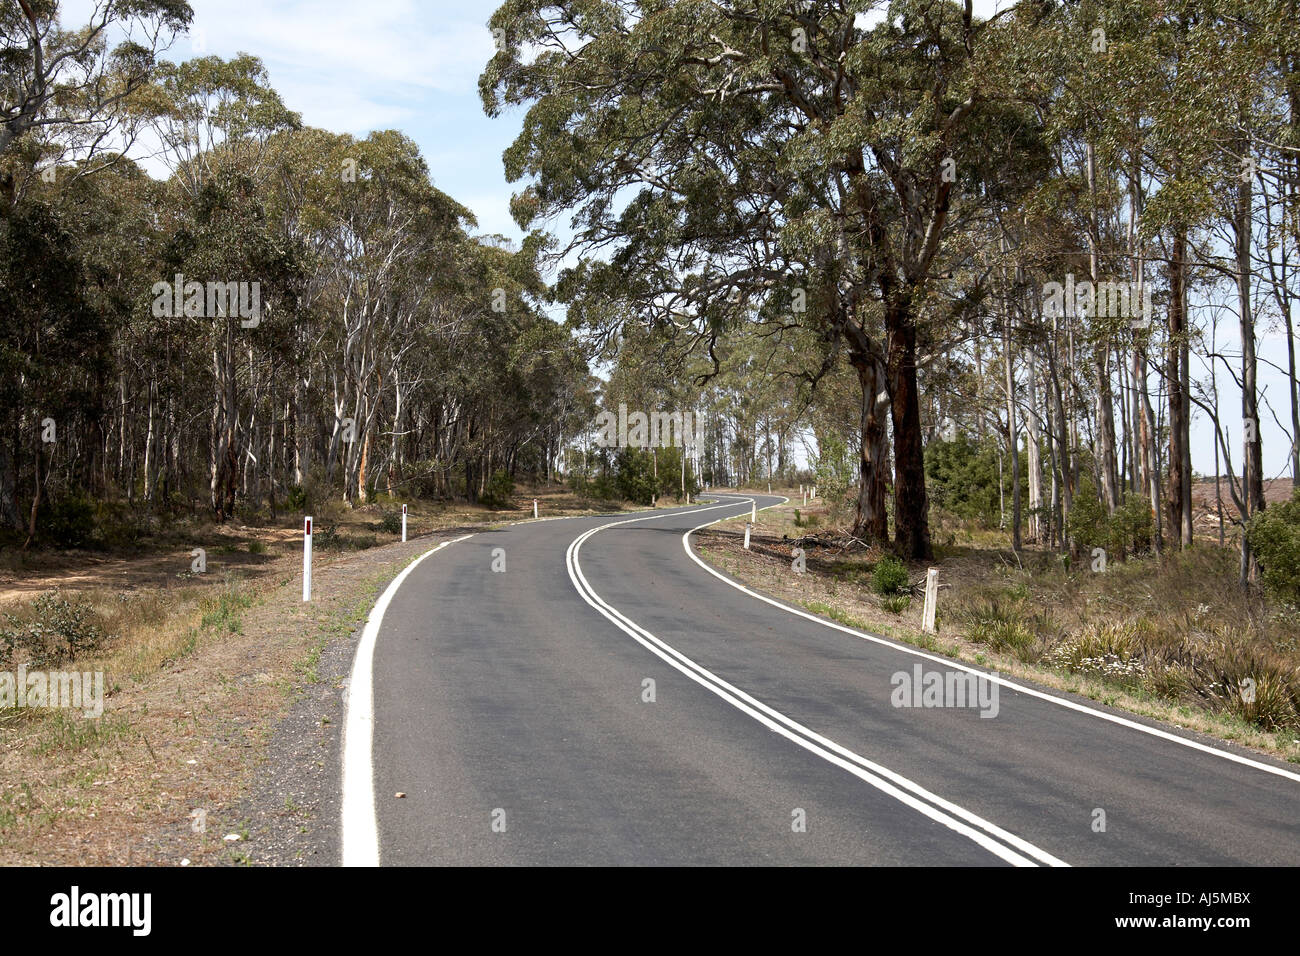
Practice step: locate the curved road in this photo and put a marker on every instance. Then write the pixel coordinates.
(602, 697)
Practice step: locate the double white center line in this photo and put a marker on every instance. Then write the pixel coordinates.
(1004, 845)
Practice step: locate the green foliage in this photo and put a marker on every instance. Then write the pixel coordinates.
(889, 576)
(1001, 624)
(1274, 536)
(804, 521)
(1086, 523)
(1131, 526)
(834, 467)
(222, 611)
(75, 521)
(297, 499)
(896, 603)
(68, 523)
(497, 492)
(1107, 650)
(390, 522)
(1128, 531)
(962, 477)
(54, 631)
(634, 475)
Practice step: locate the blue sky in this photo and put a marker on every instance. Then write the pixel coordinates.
(414, 66)
(383, 64)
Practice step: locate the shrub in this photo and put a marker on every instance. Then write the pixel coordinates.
(634, 476)
(1246, 680)
(390, 522)
(57, 629)
(962, 477)
(889, 576)
(1102, 650)
(1086, 524)
(496, 495)
(297, 499)
(1002, 624)
(896, 603)
(1127, 531)
(833, 470)
(1274, 536)
(69, 522)
(1130, 527)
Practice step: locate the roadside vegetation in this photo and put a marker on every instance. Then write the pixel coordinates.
(1172, 636)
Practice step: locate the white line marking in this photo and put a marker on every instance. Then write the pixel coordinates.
(1011, 685)
(360, 828)
(887, 781)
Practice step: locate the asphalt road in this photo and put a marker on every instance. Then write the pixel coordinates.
(605, 699)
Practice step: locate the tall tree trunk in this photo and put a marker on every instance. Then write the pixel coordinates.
(1252, 468)
(149, 440)
(36, 495)
(911, 506)
(1013, 432)
(871, 522)
(1034, 454)
(1179, 500)
(1101, 357)
(1063, 464)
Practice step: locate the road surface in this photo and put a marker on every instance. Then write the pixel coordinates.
(602, 697)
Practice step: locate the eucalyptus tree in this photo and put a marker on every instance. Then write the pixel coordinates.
(76, 85)
(755, 160)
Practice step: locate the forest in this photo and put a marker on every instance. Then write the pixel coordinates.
(937, 258)
(1066, 232)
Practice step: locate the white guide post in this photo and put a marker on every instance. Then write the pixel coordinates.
(747, 527)
(931, 599)
(306, 559)
(403, 522)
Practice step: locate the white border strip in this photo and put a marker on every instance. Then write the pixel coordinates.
(359, 834)
(948, 662)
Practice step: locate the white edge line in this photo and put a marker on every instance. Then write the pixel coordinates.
(820, 746)
(359, 833)
(1011, 685)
